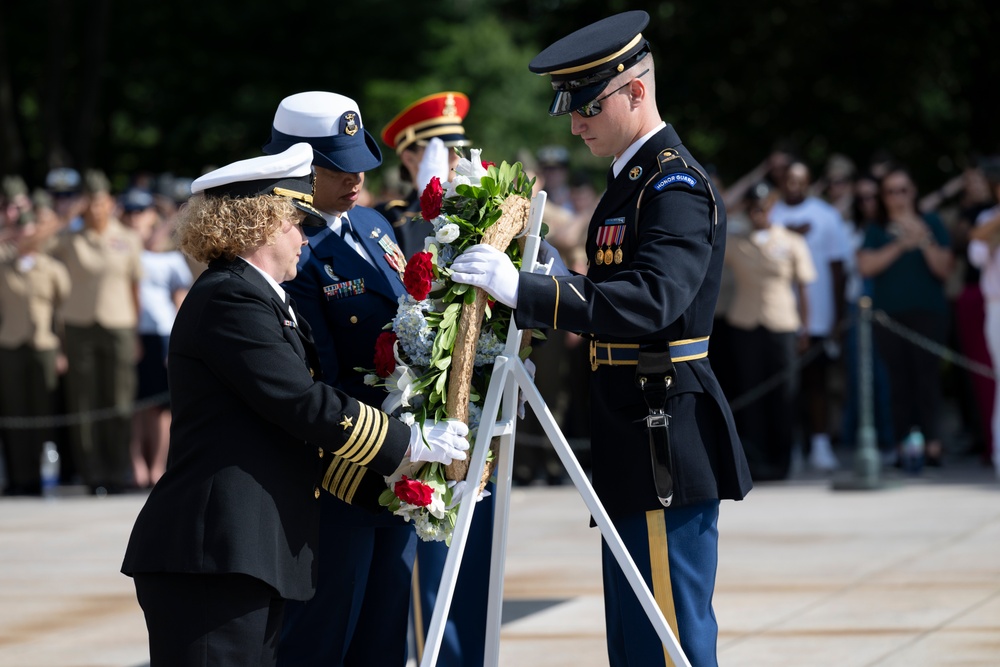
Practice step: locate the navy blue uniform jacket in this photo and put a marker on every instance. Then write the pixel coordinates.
(665, 289)
(410, 232)
(253, 437)
(348, 302)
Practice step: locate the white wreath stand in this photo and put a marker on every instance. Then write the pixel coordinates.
(509, 375)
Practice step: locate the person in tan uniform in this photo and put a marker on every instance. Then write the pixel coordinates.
(770, 267)
(100, 318)
(32, 286)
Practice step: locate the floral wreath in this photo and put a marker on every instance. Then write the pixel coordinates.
(416, 358)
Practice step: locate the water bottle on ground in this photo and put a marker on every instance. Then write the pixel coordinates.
(49, 468)
(913, 451)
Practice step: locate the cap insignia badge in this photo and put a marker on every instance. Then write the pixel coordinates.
(449, 106)
(635, 173)
(349, 124)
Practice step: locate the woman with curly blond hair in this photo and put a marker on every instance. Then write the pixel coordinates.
(230, 531)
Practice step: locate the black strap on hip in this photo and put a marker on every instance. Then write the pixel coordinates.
(654, 374)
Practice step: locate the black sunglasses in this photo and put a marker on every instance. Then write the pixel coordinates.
(593, 108)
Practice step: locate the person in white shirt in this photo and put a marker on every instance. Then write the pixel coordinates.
(829, 244)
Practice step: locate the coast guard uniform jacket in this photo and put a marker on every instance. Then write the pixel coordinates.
(664, 216)
(252, 441)
(401, 213)
(348, 301)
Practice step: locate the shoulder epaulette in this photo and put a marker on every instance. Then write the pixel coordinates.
(663, 179)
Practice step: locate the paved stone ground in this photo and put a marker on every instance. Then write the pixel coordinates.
(908, 575)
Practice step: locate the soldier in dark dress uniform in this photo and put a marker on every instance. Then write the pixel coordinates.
(665, 449)
(438, 116)
(230, 533)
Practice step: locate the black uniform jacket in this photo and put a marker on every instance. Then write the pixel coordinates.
(253, 438)
(665, 216)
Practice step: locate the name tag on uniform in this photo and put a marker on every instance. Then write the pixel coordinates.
(288, 323)
(676, 177)
(345, 289)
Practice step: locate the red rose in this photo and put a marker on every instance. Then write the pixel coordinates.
(385, 359)
(430, 200)
(418, 275)
(413, 491)
(487, 165)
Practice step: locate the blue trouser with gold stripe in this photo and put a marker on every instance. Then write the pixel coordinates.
(676, 550)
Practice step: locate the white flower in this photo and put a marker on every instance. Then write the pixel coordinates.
(407, 418)
(430, 530)
(448, 233)
(436, 508)
(450, 186)
(371, 379)
(399, 384)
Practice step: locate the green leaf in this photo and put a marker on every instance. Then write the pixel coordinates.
(386, 497)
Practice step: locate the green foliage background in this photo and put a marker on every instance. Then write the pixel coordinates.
(183, 85)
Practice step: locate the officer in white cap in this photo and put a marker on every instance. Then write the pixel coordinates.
(230, 532)
(348, 285)
(664, 446)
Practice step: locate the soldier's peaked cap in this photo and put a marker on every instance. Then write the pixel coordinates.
(331, 124)
(286, 174)
(439, 115)
(584, 62)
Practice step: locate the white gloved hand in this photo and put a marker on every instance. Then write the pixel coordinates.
(529, 366)
(433, 163)
(486, 267)
(441, 442)
(549, 261)
(458, 491)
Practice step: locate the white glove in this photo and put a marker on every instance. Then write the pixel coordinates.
(433, 163)
(484, 266)
(458, 491)
(549, 261)
(442, 442)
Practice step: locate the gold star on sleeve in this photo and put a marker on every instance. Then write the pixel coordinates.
(347, 422)
(367, 436)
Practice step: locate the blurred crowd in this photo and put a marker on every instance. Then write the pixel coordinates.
(90, 282)
(89, 286)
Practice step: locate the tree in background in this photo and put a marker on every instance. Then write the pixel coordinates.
(181, 85)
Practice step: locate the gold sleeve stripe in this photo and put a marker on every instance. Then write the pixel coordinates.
(380, 429)
(659, 564)
(350, 473)
(355, 440)
(354, 486)
(555, 312)
(358, 437)
(330, 469)
(343, 466)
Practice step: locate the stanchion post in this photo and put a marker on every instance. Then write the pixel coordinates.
(866, 456)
